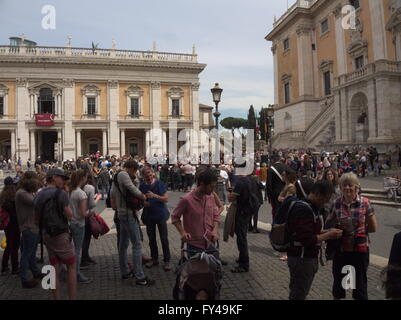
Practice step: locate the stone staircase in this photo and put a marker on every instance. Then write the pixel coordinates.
(315, 130)
(379, 197)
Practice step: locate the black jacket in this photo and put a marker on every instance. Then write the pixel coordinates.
(274, 185)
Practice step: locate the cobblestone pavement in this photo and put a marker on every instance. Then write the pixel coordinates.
(268, 277)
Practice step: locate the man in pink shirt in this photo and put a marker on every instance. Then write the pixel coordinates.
(200, 217)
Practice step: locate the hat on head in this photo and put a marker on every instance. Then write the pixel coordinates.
(58, 172)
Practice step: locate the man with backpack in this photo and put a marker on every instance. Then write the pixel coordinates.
(53, 211)
(121, 190)
(246, 194)
(306, 234)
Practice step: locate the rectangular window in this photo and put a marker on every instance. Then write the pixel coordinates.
(359, 63)
(134, 107)
(92, 106)
(325, 26)
(355, 4)
(286, 44)
(1, 106)
(327, 83)
(175, 107)
(287, 93)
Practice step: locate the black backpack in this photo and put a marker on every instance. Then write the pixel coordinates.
(280, 236)
(52, 218)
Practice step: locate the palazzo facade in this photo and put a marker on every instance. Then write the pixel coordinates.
(64, 102)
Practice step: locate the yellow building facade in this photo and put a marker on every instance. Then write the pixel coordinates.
(105, 100)
(337, 74)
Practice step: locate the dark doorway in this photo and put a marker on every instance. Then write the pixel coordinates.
(49, 138)
(133, 149)
(46, 101)
(93, 148)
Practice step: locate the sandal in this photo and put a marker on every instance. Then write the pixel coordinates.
(284, 258)
(239, 270)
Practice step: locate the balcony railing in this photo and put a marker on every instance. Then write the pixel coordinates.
(379, 66)
(306, 4)
(97, 53)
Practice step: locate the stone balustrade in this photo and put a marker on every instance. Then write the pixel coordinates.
(97, 53)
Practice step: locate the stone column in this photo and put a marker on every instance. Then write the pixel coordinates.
(164, 142)
(23, 115)
(33, 145)
(379, 36)
(276, 80)
(122, 141)
(68, 110)
(13, 144)
(305, 61)
(155, 104)
(79, 150)
(104, 142)
(60, 145)
(113, 115)
(340, 42)
(148, 152)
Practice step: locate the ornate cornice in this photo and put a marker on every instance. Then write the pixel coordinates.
(113, 84)
(326, 65)
(68, 83)
(286, 77)
(21, 82)
(195, 86)
(90, 88)
(3, 89)
(175, 91)
(155, 85)
(134, 89)
(304, 29)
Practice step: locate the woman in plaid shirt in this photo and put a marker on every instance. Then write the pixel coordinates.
(354, 215)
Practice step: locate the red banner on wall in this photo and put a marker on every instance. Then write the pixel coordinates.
(44, 119)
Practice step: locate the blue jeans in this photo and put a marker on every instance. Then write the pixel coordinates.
(29, 243)
(105, 189)
(129, 231)
(78, 234)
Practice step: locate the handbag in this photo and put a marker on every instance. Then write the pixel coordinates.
(98, 226)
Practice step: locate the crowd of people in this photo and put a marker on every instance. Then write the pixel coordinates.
(54, 206)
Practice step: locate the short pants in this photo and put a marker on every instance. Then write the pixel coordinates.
(60, 249)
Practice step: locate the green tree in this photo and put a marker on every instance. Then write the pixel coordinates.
(252, 121)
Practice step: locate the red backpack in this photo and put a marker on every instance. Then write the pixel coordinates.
(4, 219)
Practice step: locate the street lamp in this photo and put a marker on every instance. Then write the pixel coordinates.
(216, 93)
(270, 115)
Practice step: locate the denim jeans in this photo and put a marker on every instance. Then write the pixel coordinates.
(78, 234)
(151, 231)
(129, 231)
(302, 273)
(29, 243)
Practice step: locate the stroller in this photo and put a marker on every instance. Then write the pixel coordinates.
(393, 187)
(198, 277)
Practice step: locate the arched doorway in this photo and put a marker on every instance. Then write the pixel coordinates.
(359, 118)
(46, 101)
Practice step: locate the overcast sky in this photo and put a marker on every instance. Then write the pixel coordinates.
(228, 35)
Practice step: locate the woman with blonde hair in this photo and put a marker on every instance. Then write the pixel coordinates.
(353, 214)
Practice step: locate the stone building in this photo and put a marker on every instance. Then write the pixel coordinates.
(64, 102)
(338, 79)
